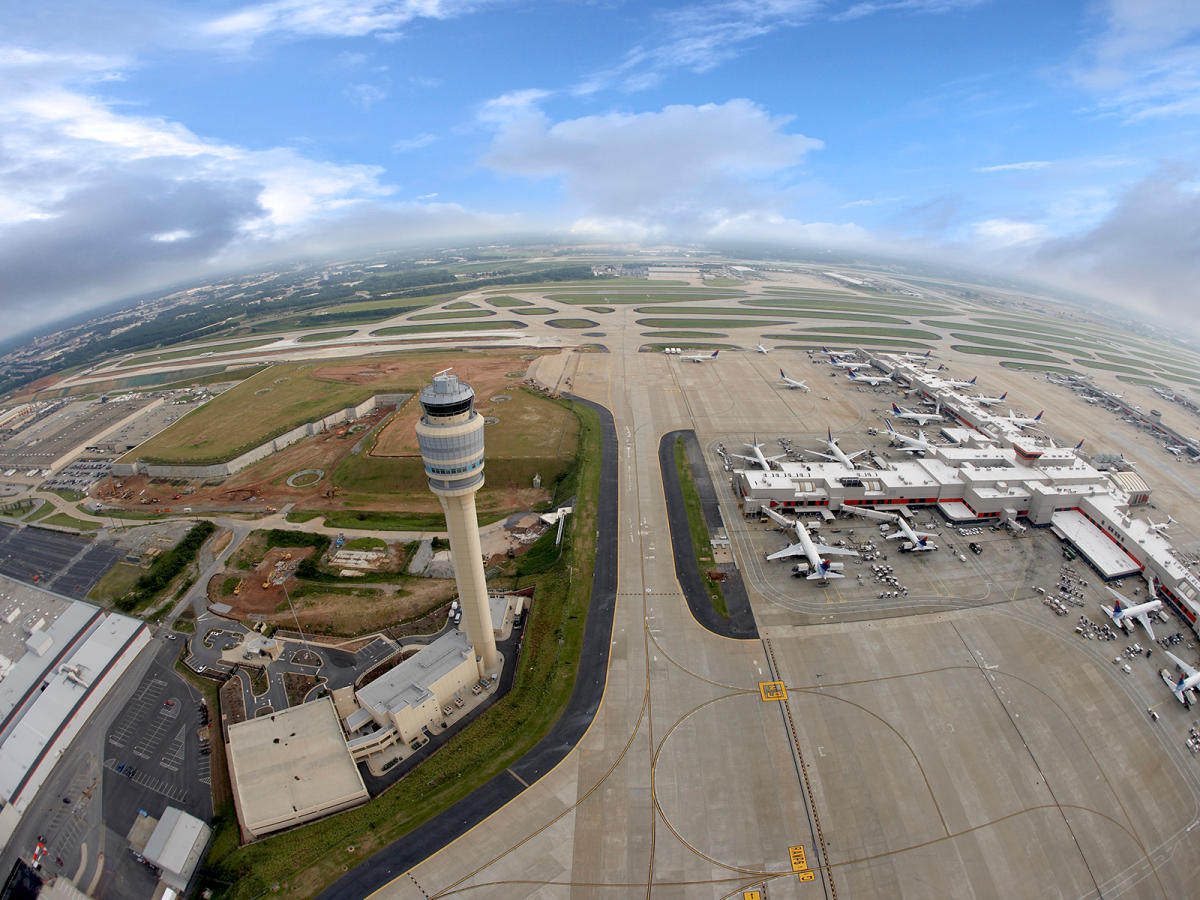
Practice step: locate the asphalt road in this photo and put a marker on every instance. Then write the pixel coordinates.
(740, 623)
(581, 708)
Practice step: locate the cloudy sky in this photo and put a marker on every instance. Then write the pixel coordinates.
(142, 142)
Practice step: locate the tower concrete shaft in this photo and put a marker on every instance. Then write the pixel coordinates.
(462, 524)
(450, 434)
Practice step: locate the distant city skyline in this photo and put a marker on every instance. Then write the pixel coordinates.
(143, 143)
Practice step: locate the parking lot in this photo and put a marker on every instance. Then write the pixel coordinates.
(64, 563)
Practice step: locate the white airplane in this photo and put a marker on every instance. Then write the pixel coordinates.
(1022, 421)
(955, 383)
(839, 354)
(699, 357)
(836, 453)
(916, 357)
(921, 418)
(1121, 614)
(1187, 683)
(872, 380)
(758, 458)
(989, 401)
(1159, 528)
(812, 551)
(909, 444)
(848, 364)
(918, 539)
(792, 382)
(761, 349)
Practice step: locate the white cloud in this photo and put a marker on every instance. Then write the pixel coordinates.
(1145, 63)
(679, 166)
(364, 96)
(403, 145)
(872, 7)
(329, 18)
(1002, 234)
(1015, 167)
(514, 104)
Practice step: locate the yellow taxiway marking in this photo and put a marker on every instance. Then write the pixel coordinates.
(807, 876)
(772, 690)
(751, 895)
(799, 860)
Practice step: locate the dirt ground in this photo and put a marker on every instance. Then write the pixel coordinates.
(252, 597)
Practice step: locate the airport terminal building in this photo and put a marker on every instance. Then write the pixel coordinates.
(59, 658)
(990, 471)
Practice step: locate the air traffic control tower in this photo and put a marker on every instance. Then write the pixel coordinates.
(450, 433)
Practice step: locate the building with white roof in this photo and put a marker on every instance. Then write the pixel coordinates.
(999, 472)
(60, 658)
(176, 845)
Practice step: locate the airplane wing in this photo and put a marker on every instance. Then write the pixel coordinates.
(1179, 662)
(826, 550)
(1144, 619)
(822, 455)
(790, 550)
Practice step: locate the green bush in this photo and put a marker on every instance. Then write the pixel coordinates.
(166, 567)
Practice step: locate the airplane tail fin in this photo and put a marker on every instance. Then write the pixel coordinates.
(781, 375)
(714, 356)
(973, 379)
(895, 409)
(928, 353)
(1005, 394)
(888, 423)
(829, 433)
(1038, 417)
(1079, 445)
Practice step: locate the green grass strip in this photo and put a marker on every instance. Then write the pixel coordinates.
(707, 323)
(449, 326)
(508, 301)
(701, 543)
(572, 323)
(324, 336)
(882, 332)
(456, 314)
(616, 297)
(1002, 354)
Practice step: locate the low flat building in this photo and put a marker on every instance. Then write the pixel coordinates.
(176, 845)
(412, 696)
(291, 767)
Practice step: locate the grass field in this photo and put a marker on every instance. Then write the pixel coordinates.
(503, 301)
(701, 543)
(599, 309)
(684, 335)
(242, 417)
(324, 336)
(814, 341)
(777, 312)
(572, 323)
(1007, 332)
(1035, 367)
(690, 323)
(462, 304)
(903, 310)
(869, 331)
(536, 311)
(453, 314)
(116, 582)
(301, 862)
(1003, 354)
(449, 326)
(195, 350)
(666, 297)
(62, 520)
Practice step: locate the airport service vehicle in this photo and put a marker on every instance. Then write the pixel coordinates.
(699, 357)
(757, 458)
(836, 453)
(914, 541)
(761, 349)
(921, 418)
(1124, 615)
(872, 380)
(792, 382)
(1184, 688)
(906, 443)
(989, 401)
(819, 569)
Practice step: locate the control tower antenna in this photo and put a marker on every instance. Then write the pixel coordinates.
(450, 434)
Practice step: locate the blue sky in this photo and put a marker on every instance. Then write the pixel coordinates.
(143, 142)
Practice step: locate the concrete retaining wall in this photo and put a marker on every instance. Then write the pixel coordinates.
(262, 451)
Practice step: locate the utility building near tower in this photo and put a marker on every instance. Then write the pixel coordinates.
(450, 434)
